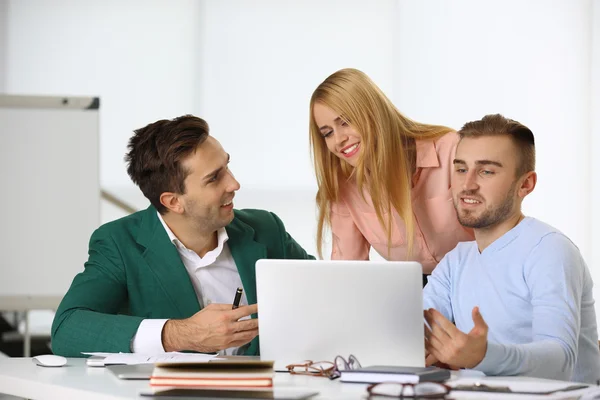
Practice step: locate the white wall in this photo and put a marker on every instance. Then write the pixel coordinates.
(264, 58)
(138, 56)
(3, 41)
(595, 148)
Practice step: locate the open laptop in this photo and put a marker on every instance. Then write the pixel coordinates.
(316, 310)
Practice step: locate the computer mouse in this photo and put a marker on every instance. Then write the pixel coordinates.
(49, 360)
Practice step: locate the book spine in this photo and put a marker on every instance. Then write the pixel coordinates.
(185, 382)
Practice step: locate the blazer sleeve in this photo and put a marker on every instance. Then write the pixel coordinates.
(87, 318)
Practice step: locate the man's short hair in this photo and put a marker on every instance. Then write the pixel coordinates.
(496, 125)
(155, 153)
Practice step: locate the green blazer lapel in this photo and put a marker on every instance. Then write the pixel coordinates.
(164, 260)
(245, 251)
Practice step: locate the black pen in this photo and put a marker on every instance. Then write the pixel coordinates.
(237, 298)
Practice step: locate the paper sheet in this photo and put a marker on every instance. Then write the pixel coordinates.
(524, 384)
(136, 358)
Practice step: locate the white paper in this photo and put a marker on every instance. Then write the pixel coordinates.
(98, 354)
(520, 384)
(592, 394)
(469, 373)
(136, 358)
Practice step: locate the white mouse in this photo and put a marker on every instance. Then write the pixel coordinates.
(49, 360)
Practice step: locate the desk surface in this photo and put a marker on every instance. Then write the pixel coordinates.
(21, 377)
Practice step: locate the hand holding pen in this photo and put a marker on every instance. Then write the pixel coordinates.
(214, 328)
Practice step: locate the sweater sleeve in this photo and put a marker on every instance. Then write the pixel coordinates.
(554, 273)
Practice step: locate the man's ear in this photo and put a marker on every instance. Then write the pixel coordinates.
(172, 202)
(528, 182)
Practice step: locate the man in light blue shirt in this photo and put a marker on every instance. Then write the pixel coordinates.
(518, 300)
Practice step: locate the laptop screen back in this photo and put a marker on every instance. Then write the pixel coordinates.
(316, 310)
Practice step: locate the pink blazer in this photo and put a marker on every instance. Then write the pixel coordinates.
(355, 227)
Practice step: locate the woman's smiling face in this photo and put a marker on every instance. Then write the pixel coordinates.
(341, 139)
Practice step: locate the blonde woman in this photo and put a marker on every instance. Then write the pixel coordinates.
(384, 179)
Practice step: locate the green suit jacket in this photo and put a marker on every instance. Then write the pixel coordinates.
(134, 272)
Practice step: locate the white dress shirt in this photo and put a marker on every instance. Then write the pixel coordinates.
(215, 278)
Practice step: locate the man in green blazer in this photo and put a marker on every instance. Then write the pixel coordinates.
(163, 279)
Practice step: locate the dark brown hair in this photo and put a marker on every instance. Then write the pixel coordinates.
(155, 153)
(495, 125)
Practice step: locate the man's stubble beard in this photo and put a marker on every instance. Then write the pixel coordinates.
(489, 217)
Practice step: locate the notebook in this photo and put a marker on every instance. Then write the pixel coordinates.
(381, 373)
(214, 374)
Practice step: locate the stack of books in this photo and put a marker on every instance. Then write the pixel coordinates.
(221, 374)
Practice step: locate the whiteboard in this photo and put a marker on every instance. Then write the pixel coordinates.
(50, 193)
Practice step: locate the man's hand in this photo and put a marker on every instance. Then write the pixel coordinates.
(430, 359)
(215, 327)
(446, 344)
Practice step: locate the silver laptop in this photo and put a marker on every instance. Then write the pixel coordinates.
(316, 310)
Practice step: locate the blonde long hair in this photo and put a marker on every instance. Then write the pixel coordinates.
(386, 162)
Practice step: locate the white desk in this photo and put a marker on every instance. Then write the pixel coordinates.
(21, 377)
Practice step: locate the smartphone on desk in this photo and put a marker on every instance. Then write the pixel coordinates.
(201, 393)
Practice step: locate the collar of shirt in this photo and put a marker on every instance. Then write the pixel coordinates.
(209, 257)
(427, 156)
(505, 239)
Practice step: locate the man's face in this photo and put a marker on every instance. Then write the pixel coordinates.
(484, 184)
(209, 187)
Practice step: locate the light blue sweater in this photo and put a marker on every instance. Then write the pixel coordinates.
(535, 293)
